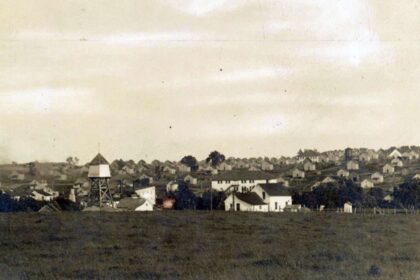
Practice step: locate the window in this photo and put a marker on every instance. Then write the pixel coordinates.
(275, 205)
(263, 195)
(238, 207)
(260, 207)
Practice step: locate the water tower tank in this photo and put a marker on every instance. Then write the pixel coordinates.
(99, 168)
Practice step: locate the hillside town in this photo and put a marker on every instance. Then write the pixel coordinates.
(359, 177)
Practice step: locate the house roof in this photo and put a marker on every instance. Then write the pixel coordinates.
(42, 192)
(98, 159)
(131, 203)
(236, 175)
(250, 198)
(275, 189)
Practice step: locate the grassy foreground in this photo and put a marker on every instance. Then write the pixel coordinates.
(203, 245)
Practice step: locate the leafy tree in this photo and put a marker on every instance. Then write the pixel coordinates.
(72, 161)
(215, 158)
(191, 162)
(159, 172)
(184, 198)
(407, 195)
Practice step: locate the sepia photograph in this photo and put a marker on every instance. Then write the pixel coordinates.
(210, 139)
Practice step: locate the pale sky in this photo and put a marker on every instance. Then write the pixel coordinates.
(163, 79)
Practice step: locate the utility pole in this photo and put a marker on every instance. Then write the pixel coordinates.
(211, 197)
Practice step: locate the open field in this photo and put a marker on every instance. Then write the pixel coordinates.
(203, 245)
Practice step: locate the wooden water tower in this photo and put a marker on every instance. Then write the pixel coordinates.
(99, 175)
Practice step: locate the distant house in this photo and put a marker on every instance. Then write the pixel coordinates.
(395, 154)
(377, 178)
(134, 204)
(41, 195)
(147, 192)
(16, 176)
(169, 170)
(343, 173)
(308, 154)
(224, 167)
(348, 207)
(249, 201)
(416, 177)
(172, 186)
(367, 184)
(280, 179)
(296, 173)
(412, 155)
(244, 179)
(61, 177)
(308, 165)
(397, 162)
(328, 180)
(352, 165)
(388, 169)
(266, 166)
(190, 179)
(184, 168)
(388, 198)
(364, 157)
(275, 195)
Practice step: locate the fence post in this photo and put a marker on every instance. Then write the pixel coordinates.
(374, 210)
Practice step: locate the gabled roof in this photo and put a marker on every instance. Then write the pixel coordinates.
(275, 189)
(250, 198)
(99, 159)
(236, 175)
(131, 203)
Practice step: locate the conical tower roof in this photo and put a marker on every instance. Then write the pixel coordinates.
(98, 160)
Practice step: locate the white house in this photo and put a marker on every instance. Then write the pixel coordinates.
(352, 165)
(377, 177)
(169, 170)
(343, 173)
(135, 204)
(328, 180)
(184, 168)
(308, 165)
(147, 192)
(416, 177)
(367, 184)
(364, 157)
(249, 201)
(224, 167)
(280, 179)
(395, 154)
(244, 179)
(190, 179)
(397, 162)
(388, 169)
(266, 166)
(348, 207)
(275, 195)
(41, 195)
(296, 173)
(172, 186)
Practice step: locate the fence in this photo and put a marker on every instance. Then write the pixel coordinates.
(374, 211)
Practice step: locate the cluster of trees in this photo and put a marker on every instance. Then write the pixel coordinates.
(187, 200)
(8, 204)
(406, 195)
(214, 159)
